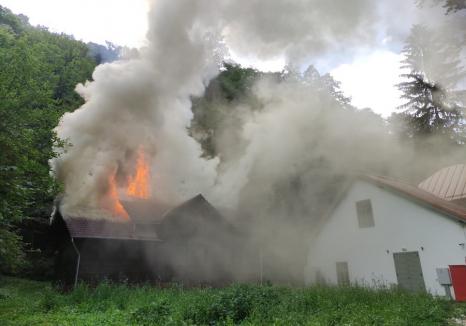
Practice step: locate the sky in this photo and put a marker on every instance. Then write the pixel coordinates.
(370, 81)
(369, 78)
(122, 22)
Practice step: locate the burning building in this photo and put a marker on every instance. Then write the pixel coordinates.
(92, 249)
(190, 243)
(132, 236)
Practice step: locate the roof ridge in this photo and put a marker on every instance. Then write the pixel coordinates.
(437, 203)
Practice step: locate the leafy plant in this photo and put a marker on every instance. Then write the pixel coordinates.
(153, 314)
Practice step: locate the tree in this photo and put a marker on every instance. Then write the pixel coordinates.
(38, 73)
(434, 104)
(104, 53)
(218, 107)
(229, 97)
(449, 5)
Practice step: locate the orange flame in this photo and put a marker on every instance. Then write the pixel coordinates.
(117, 208)
(138, 185)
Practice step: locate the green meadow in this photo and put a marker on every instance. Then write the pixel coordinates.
(24, 302)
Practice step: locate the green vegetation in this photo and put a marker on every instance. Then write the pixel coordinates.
(38, 73)
(435, 102)
(449, 5)
(217, 109)
(37, 303)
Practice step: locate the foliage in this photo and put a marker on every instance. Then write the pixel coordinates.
(104, 53)
(230, 98)
(449, 5)
(38, 73)
(27, 302)
(231, 88)
(154, 313)
(11, 254)
(434, 104)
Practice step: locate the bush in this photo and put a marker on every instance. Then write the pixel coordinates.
(79, 295)
(11, 249)
(50, 301)
(102, 297)
(233, 304)
(4, 295)
(153, 314)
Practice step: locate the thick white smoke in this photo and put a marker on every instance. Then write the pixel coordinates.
(145, 99)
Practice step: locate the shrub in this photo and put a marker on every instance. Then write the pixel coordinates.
(50, 301)
(80, 294)
(153, 314)
(4, 295)
(234, 304)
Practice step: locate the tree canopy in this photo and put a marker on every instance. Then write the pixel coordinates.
(38, 73)
(434, 102)
(449, 5)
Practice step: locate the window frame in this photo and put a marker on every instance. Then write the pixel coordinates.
(365, 214)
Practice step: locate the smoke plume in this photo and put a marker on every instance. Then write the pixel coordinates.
(279, 152)
(280, 162)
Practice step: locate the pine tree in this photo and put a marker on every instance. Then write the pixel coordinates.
(454, 5)
(434, 104)
(449, 5)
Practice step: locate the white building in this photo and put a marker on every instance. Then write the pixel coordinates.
(383, 232)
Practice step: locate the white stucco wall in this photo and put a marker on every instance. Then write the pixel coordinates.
(400, 225)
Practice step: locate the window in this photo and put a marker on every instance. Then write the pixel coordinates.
(365, 214)
(343, 273)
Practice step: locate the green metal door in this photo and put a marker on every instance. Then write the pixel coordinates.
(409, 272)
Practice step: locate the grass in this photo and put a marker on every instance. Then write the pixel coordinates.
(24, 302)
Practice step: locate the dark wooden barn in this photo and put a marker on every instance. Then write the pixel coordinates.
(191, 243)
(199, 245)
(93, 250)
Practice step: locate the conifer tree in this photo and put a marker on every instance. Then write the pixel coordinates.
(434, 103)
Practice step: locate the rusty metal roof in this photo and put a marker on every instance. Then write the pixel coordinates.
(144, 221)
(421, 196)
(106, 229)
(448, 183)
(145, 215)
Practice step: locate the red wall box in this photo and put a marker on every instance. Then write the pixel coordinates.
(458, 279)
